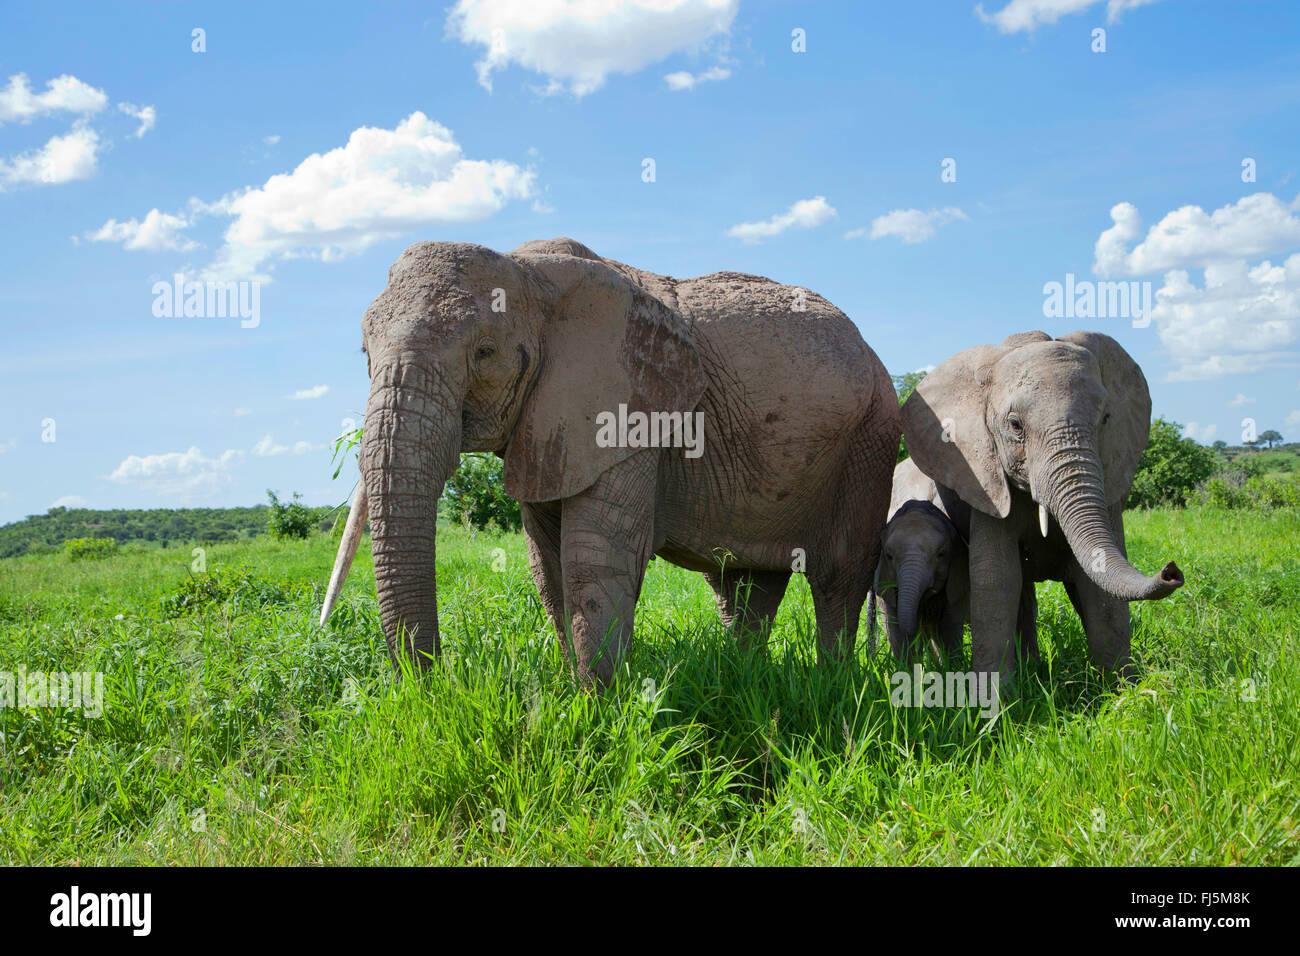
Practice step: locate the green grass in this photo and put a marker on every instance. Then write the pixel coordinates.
(239, 732)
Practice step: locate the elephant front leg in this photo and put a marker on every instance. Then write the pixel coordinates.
(948, 646)
(605, 545)
(542, 534)
(1105, 621)
(995, 583)
(1105, 618)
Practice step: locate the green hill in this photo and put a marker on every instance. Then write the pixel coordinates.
(161, 527)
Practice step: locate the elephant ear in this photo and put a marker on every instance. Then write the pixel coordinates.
(605, 342)
(1121, 441)
(943, 422)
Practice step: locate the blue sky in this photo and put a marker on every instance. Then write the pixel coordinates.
(307, 145)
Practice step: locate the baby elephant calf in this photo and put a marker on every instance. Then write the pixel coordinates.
(923, 575)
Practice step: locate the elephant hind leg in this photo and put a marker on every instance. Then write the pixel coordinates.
(748, 602)
(1027, 622)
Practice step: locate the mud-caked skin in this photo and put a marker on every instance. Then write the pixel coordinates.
(922, 577)
(471, 350)
(1033, 445)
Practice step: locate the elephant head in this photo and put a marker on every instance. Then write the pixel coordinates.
(470, 350)
(917, 551)
(1064, 420)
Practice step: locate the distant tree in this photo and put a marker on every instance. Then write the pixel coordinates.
(475, 494)
(1270, 436)
(291, 519)
(1220, 446)
(905, 385)
(1170, 467)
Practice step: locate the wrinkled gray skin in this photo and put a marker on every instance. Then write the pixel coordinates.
(1061, 424)
(800, 427)
(922, 576)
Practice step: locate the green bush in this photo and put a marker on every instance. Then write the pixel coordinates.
(239, 587)
(476, 494)
(79, 548)
(290, 519)
(1170, 468)
(905, 385)
(1234, 489)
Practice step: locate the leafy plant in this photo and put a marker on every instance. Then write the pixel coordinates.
(290, 519)
(905, 385)
(475, 495)
(80, 548)
(1170, 467)
(239, 587)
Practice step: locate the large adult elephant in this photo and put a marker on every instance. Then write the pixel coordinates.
(532, 354)
(1033, 445)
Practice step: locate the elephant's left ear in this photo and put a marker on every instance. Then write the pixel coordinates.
(1122, 439)
(606, 343)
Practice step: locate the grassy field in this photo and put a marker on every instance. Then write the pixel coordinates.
(237, 731)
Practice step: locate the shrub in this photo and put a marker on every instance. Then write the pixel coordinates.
(1171, 466)
(79, 548)
(289, 519)
(1233, 488)
(239, 587)
(476, 494)
(905, 385)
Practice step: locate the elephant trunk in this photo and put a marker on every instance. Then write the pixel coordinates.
(409, 449)
(914, 578)
(1071, 486)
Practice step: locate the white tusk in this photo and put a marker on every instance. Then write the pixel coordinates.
(1042, 520)
(347, 549)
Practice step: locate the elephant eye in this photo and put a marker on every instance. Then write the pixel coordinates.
(485, 352)
(1105, 418)
(1016, 425)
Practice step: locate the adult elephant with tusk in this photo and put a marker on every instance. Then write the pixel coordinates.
(729, 424)
(1033, 445)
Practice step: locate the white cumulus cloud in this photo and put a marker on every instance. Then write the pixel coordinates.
(804, 214)
(685, 80)
(157, 232)
(188, 476)
(316, 391)
(147, 116)
(62, 94)
(1252, 226)
(1240, 400)
(909, 225)
(577, 44)
(1027, 15)
(381, 185)
(62, 159)
(267, 448)
(1241, 317)
(384, 183)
